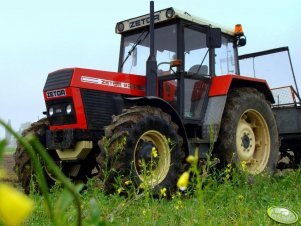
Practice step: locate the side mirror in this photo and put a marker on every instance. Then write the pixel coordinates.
(214, 37)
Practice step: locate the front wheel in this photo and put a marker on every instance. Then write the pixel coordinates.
(249, 132)
(23, 164)
(144, 149)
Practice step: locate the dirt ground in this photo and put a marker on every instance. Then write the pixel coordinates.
(8, 164)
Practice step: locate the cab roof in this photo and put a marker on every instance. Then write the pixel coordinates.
(165, 15)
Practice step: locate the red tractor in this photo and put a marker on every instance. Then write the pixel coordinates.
(178, 89)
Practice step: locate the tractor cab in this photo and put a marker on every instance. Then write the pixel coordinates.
(189, 52)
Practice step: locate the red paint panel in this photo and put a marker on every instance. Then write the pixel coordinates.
(115, 82)
(221, 84)
(109, 81)
(79, 109)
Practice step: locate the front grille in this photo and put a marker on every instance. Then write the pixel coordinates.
(60, 116)
(58, 79)
(99, 107)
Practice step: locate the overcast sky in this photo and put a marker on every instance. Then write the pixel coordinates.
(38, 37)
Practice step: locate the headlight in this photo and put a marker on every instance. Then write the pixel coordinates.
(51, 111)
(68, 109)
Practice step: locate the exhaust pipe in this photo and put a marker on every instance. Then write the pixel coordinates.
(151, 63)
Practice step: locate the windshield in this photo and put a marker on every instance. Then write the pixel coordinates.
(136, 49)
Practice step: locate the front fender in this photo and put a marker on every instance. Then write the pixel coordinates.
(167, 108)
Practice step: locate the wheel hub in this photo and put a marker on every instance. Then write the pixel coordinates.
(152, 157)
(245, 141)
(252, 141)
(145, 153)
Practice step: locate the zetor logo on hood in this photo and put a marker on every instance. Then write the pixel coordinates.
(56, 93)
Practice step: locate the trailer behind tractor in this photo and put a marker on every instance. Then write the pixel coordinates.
(287, 98)
(178, 89)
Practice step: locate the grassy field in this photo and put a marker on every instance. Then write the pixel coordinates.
(227, 197)
(241, 200)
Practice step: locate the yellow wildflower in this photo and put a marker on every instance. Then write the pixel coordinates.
(163, 192)
(183, 181)
(142, 185)
(12, 200)
(191, 159)
(154, 152)
(128, 182)
(244, 166)
(240, 197)
(179, 205)
(119, 190)
(228, 168)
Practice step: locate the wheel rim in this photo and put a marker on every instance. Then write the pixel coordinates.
(152, 157)
(253, 141)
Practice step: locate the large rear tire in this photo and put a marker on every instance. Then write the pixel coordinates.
(249, 132)
(142, 146)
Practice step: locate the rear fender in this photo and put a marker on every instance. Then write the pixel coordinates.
(221, 85)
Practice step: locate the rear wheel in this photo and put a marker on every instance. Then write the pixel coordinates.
(249, 132)
(23, 164)
(143, 147)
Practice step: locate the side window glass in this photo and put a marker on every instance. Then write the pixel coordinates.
(195, 52)
(224, 58)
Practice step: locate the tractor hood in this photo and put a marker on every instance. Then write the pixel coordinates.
(115, 82)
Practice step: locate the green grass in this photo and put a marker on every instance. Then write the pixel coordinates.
(239, 201)
(228, 197)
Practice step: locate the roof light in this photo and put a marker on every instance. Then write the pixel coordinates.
(120, 27)
(169, 13)
(238, 30)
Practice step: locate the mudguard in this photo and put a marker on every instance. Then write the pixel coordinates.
(221, 85)
(166, 107)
